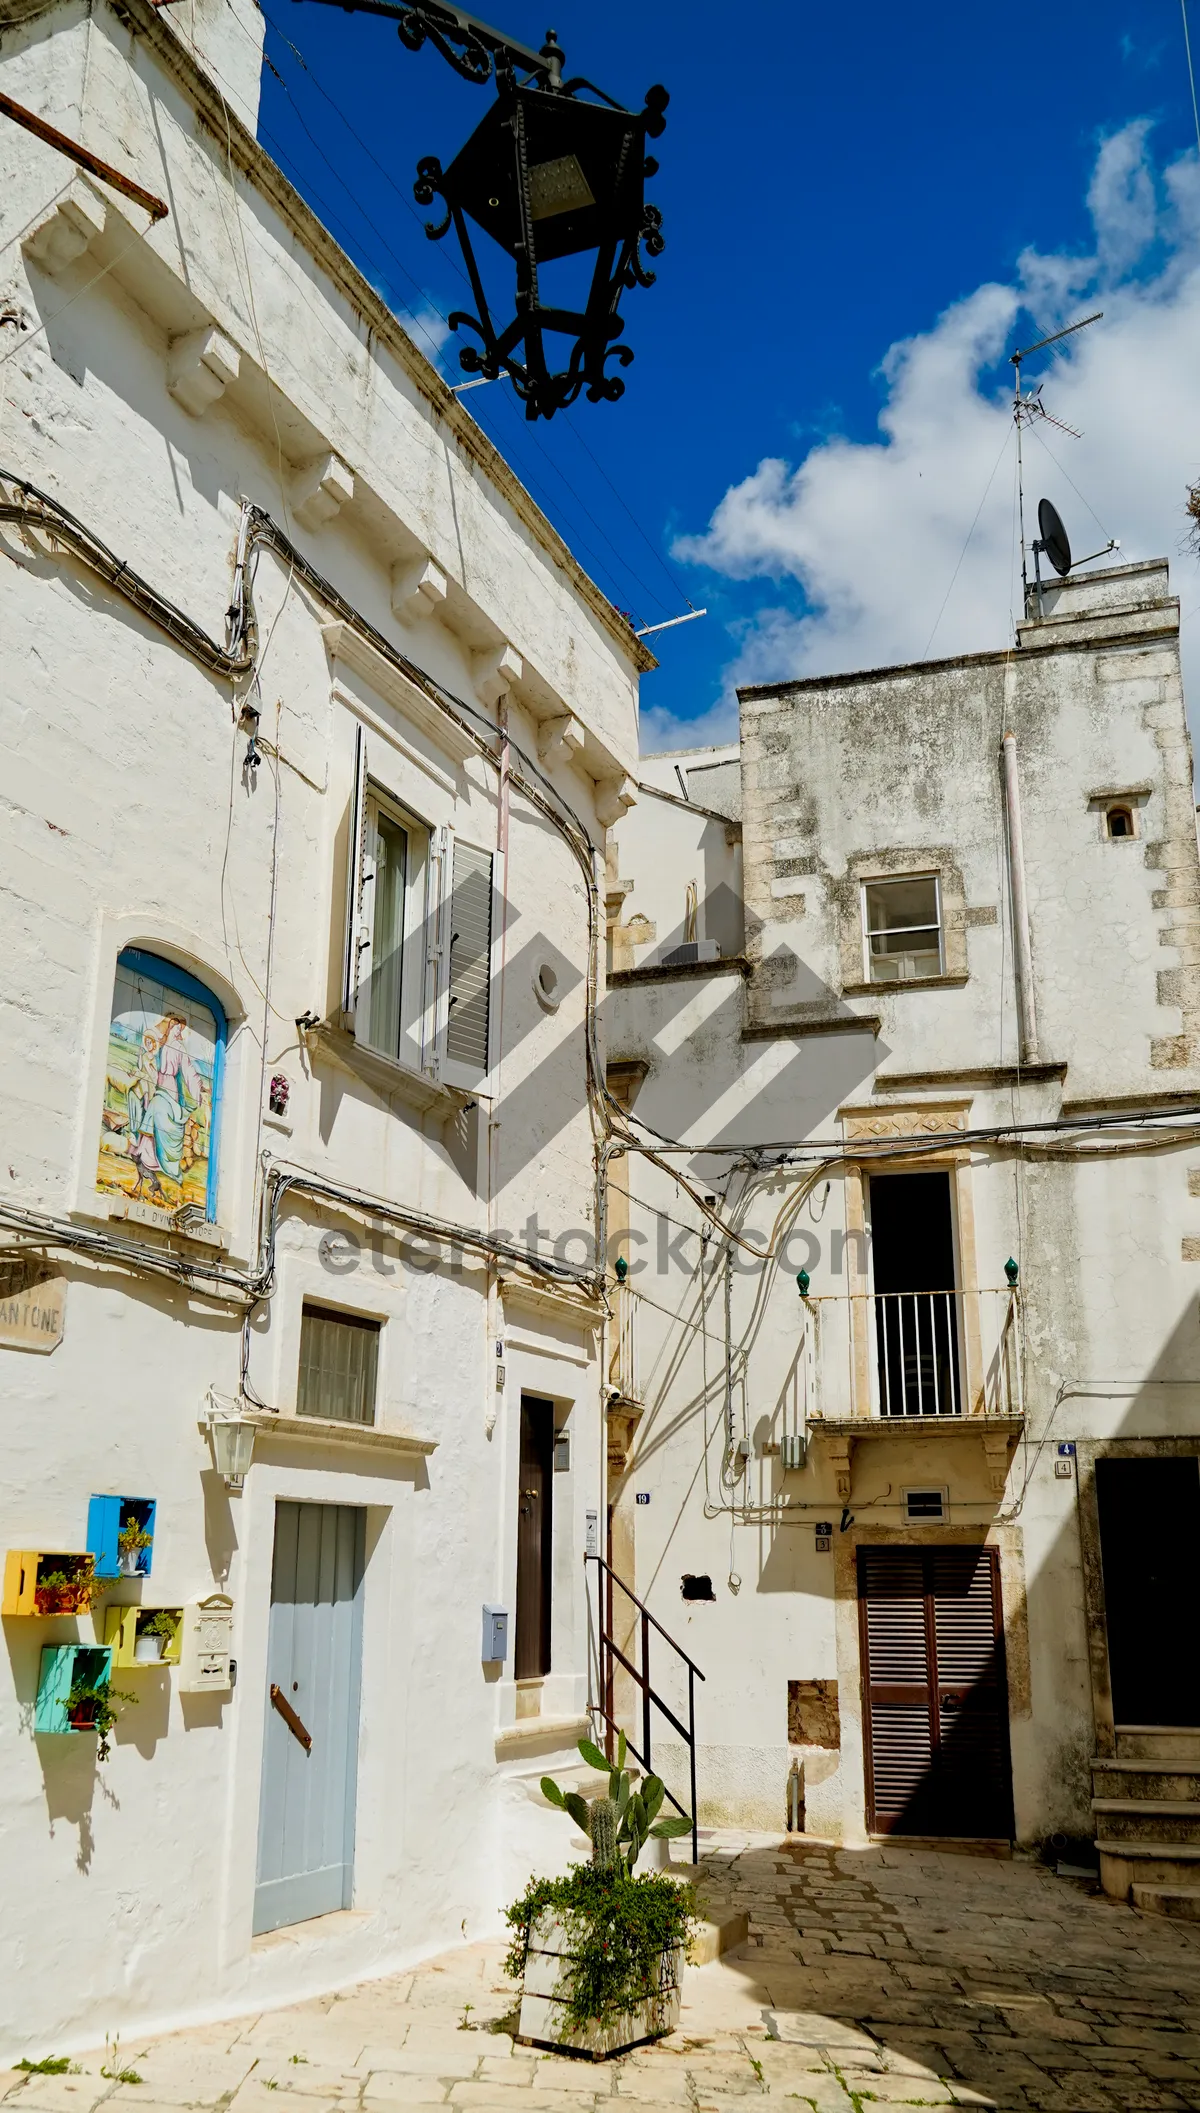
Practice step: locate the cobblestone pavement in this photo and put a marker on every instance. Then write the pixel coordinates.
(882, 1976)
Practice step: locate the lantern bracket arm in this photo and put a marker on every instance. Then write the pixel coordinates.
(482, 47)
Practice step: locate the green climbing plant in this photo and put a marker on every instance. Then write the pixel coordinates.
(624, 1938)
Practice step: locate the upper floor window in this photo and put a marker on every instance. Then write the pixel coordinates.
(417, 984)
(160, 1117)
(339, 1358)
(1120, 821)
(902, 924)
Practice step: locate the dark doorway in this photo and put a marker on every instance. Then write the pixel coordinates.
(535, 1522)
(916, 1302)
(936, 1716)
(1149, 1537)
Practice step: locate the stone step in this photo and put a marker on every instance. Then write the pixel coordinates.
(1160, 1744)
(1149, 1819)
(1125, 1864)
(1183, 1902)
(1172, 1780)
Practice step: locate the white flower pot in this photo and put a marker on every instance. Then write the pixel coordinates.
(542, 2022)
(129, 1563)
(148, 1650)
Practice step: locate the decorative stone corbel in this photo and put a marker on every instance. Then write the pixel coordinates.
(623, 1420)
(418, 589)
(996, 1452)
(614, 796)
(66, 228)
(200, 367)
(838, 1449)
(319, 492)
(496, 671)
(560, 740)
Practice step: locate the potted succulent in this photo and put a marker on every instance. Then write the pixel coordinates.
(154, 1632)
(89, 1707)
(132, 1542)
(67, 1584)
(600, 1952)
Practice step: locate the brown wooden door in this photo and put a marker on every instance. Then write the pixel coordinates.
(534, 1538)
(935, 1692)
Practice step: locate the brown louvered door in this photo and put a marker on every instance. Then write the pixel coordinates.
(936, 1695)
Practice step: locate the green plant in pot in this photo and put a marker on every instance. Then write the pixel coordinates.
(67, 1585)
(155, 1632)
(600, 1952)
(132, 1542)
(89, 1707)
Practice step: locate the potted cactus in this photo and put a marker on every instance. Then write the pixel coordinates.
(600, 1952)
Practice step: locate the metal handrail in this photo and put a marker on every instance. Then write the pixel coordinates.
(610, 1650)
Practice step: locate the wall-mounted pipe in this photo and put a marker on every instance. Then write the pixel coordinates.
(1018, 896)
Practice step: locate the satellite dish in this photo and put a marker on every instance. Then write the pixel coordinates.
(1053, 538)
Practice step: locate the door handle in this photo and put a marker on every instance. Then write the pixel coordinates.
(531, 1493)
(280, 1702)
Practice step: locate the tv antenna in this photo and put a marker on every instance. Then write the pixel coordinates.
(1026, 407)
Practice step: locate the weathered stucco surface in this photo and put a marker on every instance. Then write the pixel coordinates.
(886, 773)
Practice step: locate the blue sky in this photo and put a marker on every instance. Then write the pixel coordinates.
(857, 203)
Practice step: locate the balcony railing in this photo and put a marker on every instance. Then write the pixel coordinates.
(623, 1364)
(914, 1353)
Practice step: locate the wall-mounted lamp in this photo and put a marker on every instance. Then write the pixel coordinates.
(232, 1441)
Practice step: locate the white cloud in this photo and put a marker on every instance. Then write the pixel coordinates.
(866, 540)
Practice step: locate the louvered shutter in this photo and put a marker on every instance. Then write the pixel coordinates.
(470, 971)
(936, 1728)
(357, 925)
(896, 1649)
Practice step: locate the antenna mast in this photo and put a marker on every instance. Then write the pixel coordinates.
(1024, 409)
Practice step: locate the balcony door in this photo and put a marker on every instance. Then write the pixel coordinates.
(914, 1295)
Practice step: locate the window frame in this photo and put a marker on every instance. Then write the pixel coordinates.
(885, 880)
(416, 1033)
(157, 968)
(318, 1309)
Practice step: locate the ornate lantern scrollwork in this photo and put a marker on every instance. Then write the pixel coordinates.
(556, 170)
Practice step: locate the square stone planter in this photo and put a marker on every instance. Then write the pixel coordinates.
(542, 2022)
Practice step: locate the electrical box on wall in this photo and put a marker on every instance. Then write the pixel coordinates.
(207, 1640)
(793, 1451)
(495, 1635)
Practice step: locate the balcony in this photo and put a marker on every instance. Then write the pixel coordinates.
(625, 1403)
(903, 1363)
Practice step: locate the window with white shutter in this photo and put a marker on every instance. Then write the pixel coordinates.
(386, 996)
(470, 966)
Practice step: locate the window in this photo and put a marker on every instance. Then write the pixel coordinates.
(417, 970)
(160, 1116)
(903, 927)
(1120, 821)
(339, 1358)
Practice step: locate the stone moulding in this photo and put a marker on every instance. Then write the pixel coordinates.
(542, 2011)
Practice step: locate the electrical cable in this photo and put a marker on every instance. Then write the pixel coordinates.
(970, 532)
(1187, 45)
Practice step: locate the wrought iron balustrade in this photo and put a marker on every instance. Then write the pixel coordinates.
(915, 1353)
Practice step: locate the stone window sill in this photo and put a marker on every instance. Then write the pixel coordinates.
(328, 1430)
(338, 1047)
(894, 990)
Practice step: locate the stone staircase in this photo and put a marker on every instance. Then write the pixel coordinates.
(1146, 1802)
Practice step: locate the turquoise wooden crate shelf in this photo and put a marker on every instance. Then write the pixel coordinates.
(108, 1518)
(62, 1665)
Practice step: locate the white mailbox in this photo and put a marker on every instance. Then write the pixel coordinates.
(207, 1643)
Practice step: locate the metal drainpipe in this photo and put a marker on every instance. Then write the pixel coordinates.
(1022, 952)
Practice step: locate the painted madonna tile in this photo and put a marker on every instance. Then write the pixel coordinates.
(156, 1122)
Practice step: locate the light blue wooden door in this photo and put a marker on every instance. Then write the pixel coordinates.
(314, 1653)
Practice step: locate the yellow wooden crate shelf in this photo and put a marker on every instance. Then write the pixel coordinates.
(25, 1590)
(125, 1626)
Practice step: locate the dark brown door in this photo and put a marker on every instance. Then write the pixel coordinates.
(936, 1693)
(1149, 1535)
(534, 1537)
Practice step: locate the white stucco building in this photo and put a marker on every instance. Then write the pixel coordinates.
(312, 730)
(911, 972)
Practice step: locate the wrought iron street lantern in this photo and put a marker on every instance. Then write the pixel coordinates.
(555, 171)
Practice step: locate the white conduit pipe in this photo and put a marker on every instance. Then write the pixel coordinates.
(1022, 952)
